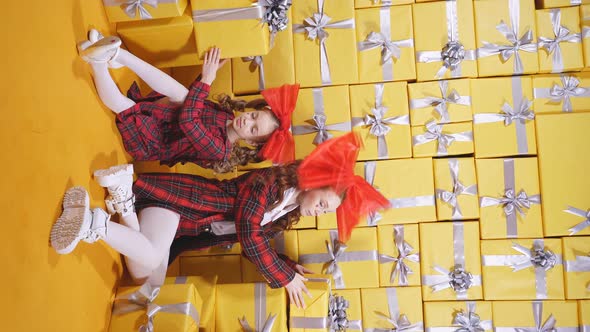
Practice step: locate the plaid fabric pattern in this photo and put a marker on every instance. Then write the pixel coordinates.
(195, 131)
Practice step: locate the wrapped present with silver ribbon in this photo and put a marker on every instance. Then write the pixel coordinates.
(376, 320)
(262, 322)
(561, 34)
(435, 132)
(563, 93)
(257, 64)
(463, 320)
(400, 269)
(580, 213)
(550, 324)
(141, 9)
(335, 321)
(580, 264)
(451, 197)
(275, 16)
(576, 263)
(440, 103)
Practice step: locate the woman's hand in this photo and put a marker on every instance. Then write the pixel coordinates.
(301, 270)
(295, 289)
(211, 64)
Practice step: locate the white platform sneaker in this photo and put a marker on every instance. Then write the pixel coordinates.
(119, 182)
(101, 50)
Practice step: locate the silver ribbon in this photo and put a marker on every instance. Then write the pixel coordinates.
(415, 201)
(317, 124)
(584, 328)
(338, 316)
(399, 322)
(143, 299)
(441, 104)
(506, 51)
(547, 326)
(570, 88)
(370, 169)
(580, 264)
(465, 321)
(450, 197)
(311, 322)
(133, 6)
(585, 28)
(580, 213)
(229, 14)
(275, 16)
(562, 35)
(261, 324)
(314, 28)
(434, 132)
(257, 63)
(400, 268)
(385, 2)
(379, 126)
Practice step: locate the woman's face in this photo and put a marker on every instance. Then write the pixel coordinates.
(255, 126)
(318, 201)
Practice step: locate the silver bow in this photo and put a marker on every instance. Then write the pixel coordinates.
(276, 14)
(441, 104)
(319, 123)
(132, 6)
(257, 63)
(512, 202)
(459, 280)
(453, 54)
(401, 323)
(400, 267)
(337, 313)
(267, 327)
(521, 114)
(537, 256)
(580, 213)
(570, 89)
(548, 326)
(562, 35)
(332, 266)
(467, 322)
(434, 133)
(389, 48)
(450, 197)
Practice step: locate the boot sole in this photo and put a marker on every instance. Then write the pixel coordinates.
(66, 232)
(109, 177)
(76, 197)
(96, 51)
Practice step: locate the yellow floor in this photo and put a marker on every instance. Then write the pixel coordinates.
(54, 133)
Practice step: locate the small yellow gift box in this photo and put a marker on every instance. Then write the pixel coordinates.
(326, 55)
(252, 306)
(380, 3)
(451, 316)
(450, 261)
(165, 42)
(442, 30)
(456, 189)
(354, 314)
(314, 317)
(380, 115)
(585, 26)
(226, 267)
(559, 3)
(206, 287)
(503, 116)
(564, 93)
(442, 102)
(559, 316)
(180, 307)
(399, 260)
(564, 140)
(353, 265)
(222, 85)
(320, 114)
(506, 37)
(449, 139)
(384, 306)
(510, 204)
(284, 243)
(125, 10)
(385, 44)
(560, 43)
(522, 269)
(584, 315)
(238, 21)
(576, 261)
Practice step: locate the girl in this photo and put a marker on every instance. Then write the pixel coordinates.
(249, 209)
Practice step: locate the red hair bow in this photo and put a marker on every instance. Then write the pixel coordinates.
(280, 147)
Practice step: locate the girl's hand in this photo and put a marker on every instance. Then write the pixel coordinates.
(301, 270)
(211, 64)
(295, 289)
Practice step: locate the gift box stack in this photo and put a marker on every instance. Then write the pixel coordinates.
(474, 117)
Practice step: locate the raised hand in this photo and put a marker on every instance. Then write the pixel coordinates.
(211, 65)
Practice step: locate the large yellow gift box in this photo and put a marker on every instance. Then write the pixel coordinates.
(576, 262)
(284, 243)
(458, 315)
(559, 316)
(238, 21)
(584, 315)
(320, 113)
(450, 261)
(314, 316)
(445, 40)
(379, 114)
(564, 140)
(206, 287)
(506, 37)
(380, 3)
(385, 44)
(560, 43)
(324, 42)
(125, 10)
(226, 267)
(522, 269)
(180, 308)
(561, 93)
(456, 189)
(510, 204)
(250, 307)
(585, 26)
(390, 308)
(449, 139)
(352, 265)
(442, 102)
(503, 116)
(186, 75)
(399, 259)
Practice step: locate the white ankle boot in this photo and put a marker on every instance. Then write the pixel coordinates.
(119, 182)
(94, 36)
(103, 50)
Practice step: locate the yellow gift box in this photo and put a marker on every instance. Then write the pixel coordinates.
(398, 267)
(450, 248)
(316, 308)
(233, 249)
(510, 274)
(354, 314)
(492, 101)
(305, 223)
(456, 189)
(565, 183)
(379, 114)
(561, 93)
(284, 243)
(510, 204)
(584, 315)
(209, 173)
(319, 114)
(226, 267)
(436, 25)
(448, 139)
(165, 42)
(375, 26)
(450, 316)
(576, 261)
(567, 54)
(175, 300)
(238, 21)
(559, 3)
(338, 47)
(585, 26)
(379, 3)
(206, 287)
(489, 16)
(125, 10)
(254, 305)
(524, 315)
(442, 101)
(356, 260)
(397, 304)
(186, 75)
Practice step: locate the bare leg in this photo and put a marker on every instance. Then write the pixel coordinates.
(107, 90)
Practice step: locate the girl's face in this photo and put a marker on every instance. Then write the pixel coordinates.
(255, 126)
(318, 201)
